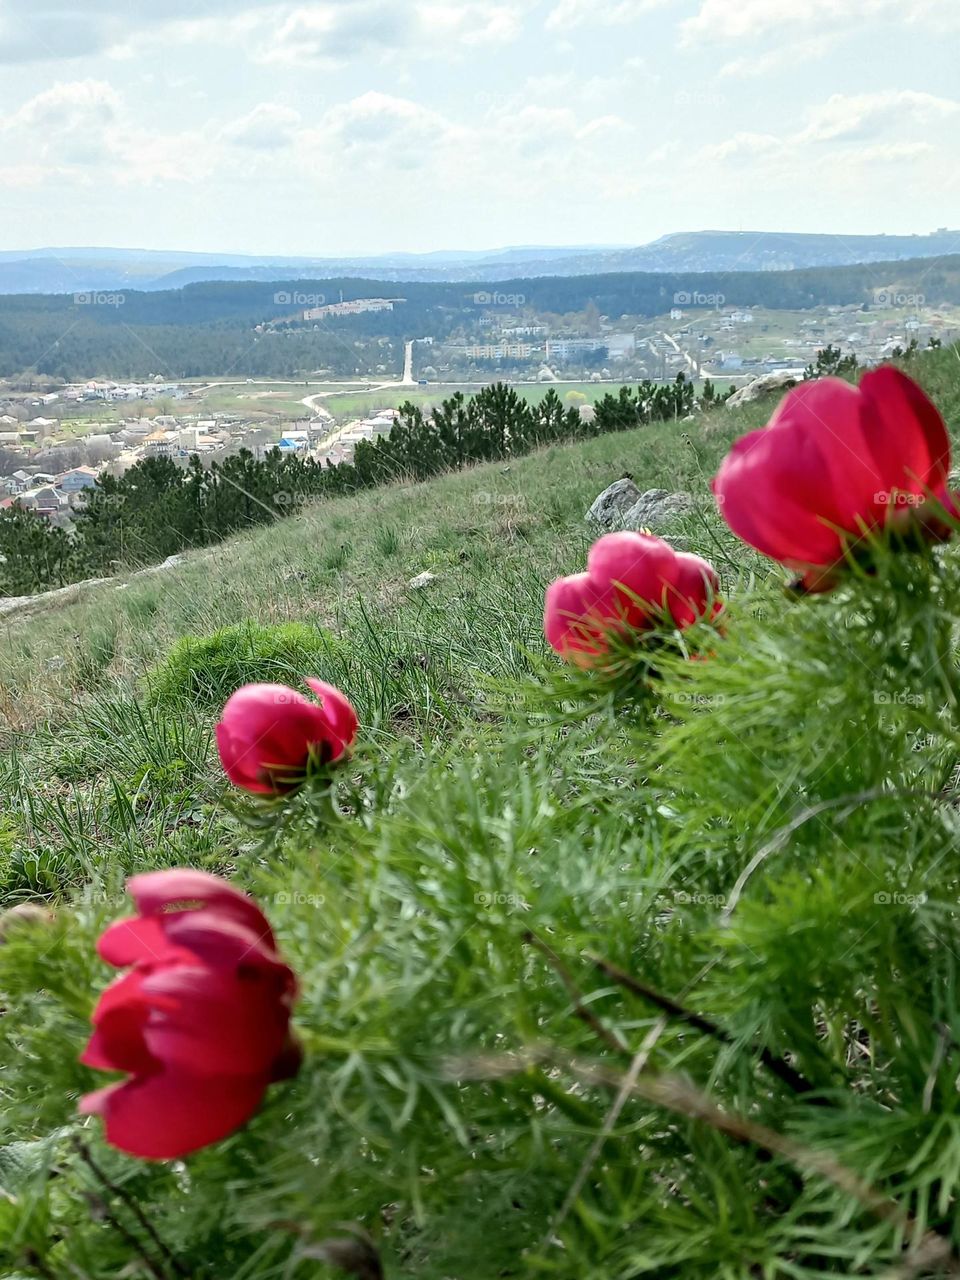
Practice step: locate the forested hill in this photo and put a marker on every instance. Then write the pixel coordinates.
(60, 269)
(209, 329)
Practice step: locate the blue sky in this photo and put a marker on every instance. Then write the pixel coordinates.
(364, 126)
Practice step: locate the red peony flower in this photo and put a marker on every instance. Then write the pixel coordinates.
(835, 463)
(200, 1024)
(268, 733)
(632, 581)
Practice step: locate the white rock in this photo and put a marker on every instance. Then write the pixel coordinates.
(422, 580)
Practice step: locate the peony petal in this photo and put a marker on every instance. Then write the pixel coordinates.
(169, 1115)
(638, 566)
(171, 893)
(757, 500)
(822, 461)
(215, 1023)
(632, 578)
(905, 432)
(240, 762)
(221, 943)
(267, 732)
(136, 941)
(691, 589)
(822, 473)
(577, 616)
(340, 714)
(118, 1043)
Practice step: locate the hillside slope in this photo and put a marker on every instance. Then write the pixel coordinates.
(486, 1089)
(495, 536)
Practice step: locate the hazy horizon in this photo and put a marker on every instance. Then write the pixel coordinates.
(452, 250)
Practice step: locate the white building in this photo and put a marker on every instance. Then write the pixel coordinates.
(568, 348)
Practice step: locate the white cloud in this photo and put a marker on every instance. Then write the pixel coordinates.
(746, 20)
(265, 128)
(67, 125)
(67, 106)
(40, 30)
(331, 34)
(81, 132)
(26, 175)
(858, 143)
(741, 146)
(573, 13)
(474, 23)
(780, 58)
(373, 135)
(853, 116)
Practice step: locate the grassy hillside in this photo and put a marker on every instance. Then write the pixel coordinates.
(483, 805)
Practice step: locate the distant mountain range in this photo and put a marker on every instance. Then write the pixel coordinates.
(78, 270)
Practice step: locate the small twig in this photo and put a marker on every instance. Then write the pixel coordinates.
(585, 1014)
(102, 1212)
(84, 1152)
(932, 1252)
(613, 1115)
(782, 1070)
(356, 1254)
(639, 1063)
(680, 1096)
(780, 838)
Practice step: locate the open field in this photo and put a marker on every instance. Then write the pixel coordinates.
(268, 402)
(505, 827)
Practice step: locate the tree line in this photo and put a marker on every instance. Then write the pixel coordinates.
(209, 329)
(157, 508)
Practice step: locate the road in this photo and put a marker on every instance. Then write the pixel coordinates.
(408, 366)
(680, 351)
(352, 386)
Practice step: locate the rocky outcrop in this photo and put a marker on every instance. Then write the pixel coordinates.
(612, 505)
(766, 385)
(657, 509)
(70, 594)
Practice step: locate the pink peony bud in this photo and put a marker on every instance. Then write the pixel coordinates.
(634, 582)
(268, 733)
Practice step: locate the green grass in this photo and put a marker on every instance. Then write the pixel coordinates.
(484, 802)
